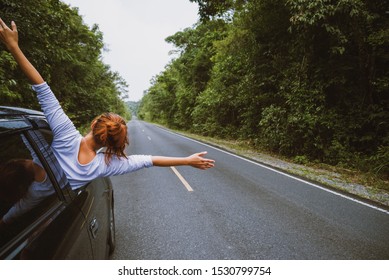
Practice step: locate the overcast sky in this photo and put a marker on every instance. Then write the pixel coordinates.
(134, 32)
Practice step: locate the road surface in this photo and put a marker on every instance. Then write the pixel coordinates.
(237, 210)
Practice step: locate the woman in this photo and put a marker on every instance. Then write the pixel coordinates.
(78, 155)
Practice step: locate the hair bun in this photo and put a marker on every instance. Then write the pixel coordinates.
(110, 131)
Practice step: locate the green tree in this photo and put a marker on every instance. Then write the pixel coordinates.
(67, 53)
(304, 78)
(177, 88)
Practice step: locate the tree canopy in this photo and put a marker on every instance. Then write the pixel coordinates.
(308, 79)
(68, 54)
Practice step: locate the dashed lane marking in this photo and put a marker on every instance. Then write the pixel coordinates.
(182, 179)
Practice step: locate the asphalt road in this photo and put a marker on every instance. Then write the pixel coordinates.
(237, 210)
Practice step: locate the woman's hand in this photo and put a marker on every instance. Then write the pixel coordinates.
(11, 40)
(198, 161)
(9, 36)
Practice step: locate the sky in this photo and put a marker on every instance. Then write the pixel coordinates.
(134, 33)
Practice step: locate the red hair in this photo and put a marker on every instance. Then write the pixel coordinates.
(110, 130)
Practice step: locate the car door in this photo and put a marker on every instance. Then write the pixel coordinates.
(43, 222)
(97, 210)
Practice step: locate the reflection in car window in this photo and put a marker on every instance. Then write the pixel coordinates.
(25, 187)
(42, 138)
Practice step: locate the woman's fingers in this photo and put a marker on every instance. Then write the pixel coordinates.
(8, 36)
(13, 25)
(204, 163)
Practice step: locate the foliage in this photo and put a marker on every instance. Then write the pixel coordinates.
(308, 79)
(133, 106)
(208, 9)
(67, 53)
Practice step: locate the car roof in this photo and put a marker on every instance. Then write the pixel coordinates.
(16, 111)
(14, 119)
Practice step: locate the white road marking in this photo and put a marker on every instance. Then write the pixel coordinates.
(182, 179)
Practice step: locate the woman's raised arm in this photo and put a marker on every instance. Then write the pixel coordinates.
(11, 40)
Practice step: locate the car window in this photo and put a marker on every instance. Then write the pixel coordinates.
(29, 181)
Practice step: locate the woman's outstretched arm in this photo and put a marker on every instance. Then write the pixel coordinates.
(196, 160)
(9, 36)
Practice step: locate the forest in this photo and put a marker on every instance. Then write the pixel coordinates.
(68, 54)
(305, 79)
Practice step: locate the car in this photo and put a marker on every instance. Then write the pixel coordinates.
(41, 216)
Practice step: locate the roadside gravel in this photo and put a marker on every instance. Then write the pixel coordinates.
(327, 178)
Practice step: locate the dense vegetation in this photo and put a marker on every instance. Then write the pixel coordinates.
(308, 79)
(133, 107)
(67, 53)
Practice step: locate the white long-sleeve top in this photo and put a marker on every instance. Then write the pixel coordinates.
(66, 145)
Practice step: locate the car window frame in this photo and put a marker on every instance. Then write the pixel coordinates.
(13, 247)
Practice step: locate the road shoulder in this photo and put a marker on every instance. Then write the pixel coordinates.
(338, 179)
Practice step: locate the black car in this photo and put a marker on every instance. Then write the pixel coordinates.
(41, 216)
